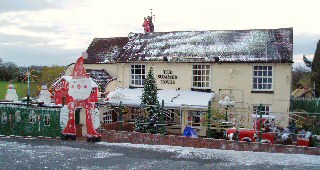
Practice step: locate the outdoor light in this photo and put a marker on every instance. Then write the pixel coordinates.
(227, 103)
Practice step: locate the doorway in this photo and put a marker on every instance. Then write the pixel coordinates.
(80, 120)
(77, 121)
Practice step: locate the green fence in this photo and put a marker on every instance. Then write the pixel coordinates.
(21, 120)
(311, 105)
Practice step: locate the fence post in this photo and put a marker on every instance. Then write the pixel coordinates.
(120, 116)
(260, 112)
(209, 121)
(162, 117)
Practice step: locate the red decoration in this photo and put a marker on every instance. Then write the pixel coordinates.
(303, 142)
(251, 134)
(256, 124)
(148, 25)
(77, 99)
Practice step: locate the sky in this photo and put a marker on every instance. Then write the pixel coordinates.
(56, 32)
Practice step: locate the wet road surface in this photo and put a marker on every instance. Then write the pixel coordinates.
(18, 153)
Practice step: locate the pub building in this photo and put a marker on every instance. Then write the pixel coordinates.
(235, 70)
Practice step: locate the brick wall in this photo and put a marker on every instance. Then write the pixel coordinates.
(113, 136)
(116, 126)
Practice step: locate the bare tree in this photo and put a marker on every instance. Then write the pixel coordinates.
(301, 75)
(8, 71)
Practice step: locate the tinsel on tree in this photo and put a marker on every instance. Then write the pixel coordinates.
(149, 101)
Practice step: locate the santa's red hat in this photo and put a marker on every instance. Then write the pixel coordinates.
(79, 71)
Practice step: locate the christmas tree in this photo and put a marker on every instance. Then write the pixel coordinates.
(150, 91)
(150, 101)
(315, 70)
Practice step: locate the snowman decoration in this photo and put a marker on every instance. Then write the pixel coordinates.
(45, 95)
(80, 90)
(11, 93)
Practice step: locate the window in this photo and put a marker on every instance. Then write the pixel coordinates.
(4, 118)
(47, 120)
(17, 115)
(32, 117)
(136, 113)
(194, 117)
(138, 74)
(107, 117)
(262, 78)
(169, 115)
(201, 76)
(265, 109)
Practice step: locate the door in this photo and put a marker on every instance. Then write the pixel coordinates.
(63, 101)
(78, 125)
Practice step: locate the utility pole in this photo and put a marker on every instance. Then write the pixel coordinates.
(28, 97)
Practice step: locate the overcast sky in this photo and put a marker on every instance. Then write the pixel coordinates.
(56, 32)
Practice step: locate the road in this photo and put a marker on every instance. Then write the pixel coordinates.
(56, 154)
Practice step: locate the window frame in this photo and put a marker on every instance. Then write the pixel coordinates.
(169, 115)
(32, 117)
(135, 113)
(265, 106)
(195, 117)
(201, 76)
(105, 115)
(17, 116)
(46, 120)
(133, 78)
(256, 89)
(4, 118)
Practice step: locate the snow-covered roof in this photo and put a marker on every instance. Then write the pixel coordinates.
(69, 78)
(105, 50)
(101, 76)
(257, 45)
(254, 45)
(172, 98)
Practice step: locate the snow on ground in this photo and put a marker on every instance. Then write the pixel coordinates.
(238, 157)
(49, 151)
(56, 154)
